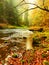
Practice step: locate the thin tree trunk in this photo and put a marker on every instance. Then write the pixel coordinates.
(29, 42)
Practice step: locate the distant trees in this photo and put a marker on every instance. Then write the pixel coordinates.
(8, 14)
(12, 15)
(43, 7)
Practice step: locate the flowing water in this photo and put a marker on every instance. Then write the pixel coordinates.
(12, 39)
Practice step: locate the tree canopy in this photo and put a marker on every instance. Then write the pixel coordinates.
(24, 12)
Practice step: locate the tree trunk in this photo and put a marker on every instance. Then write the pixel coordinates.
(29, 42)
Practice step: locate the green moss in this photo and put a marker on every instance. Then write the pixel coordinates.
(44, 55)
(45, 62)
(22, 61)
(46, 49)
(15, 55)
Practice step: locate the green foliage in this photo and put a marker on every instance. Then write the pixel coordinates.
(1, 9)
(9, 13)
(22, 61)
(15, 55)
(46, 49)
(11, 16)
(45, 62)
(44, 55)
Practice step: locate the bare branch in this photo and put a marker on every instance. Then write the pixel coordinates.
(19, 3)
(36, 6)
(27, 10)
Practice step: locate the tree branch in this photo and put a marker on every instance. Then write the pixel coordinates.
(36, 6)
(27, 10)
(21, 3)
